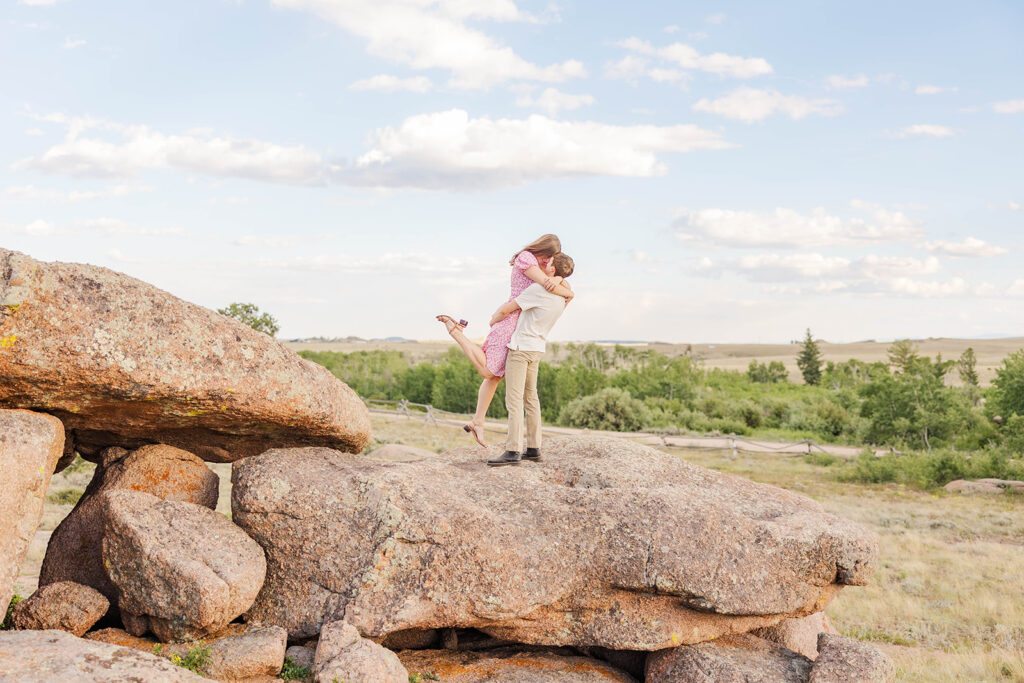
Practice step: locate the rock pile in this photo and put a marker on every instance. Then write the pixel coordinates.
(609, 561)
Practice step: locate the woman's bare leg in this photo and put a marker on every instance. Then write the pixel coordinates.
(484, 398)
(473, 352)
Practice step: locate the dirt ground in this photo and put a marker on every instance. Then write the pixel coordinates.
(989, 352)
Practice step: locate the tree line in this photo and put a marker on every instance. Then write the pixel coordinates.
(903, 403)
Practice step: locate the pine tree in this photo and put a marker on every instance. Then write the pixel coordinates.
(809, 360)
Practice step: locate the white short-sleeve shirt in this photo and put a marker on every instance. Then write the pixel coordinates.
(541, 310)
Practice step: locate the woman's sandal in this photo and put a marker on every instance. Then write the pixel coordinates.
(473, 429)
(450, 324)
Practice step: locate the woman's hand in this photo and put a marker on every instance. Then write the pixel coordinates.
(552, 282)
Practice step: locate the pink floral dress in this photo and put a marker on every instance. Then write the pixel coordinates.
(496, 345)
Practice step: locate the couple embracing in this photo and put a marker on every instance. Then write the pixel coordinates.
(518, 336)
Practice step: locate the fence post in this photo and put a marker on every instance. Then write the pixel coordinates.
(430, 416)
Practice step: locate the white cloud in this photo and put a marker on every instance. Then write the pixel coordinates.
(35, 132)
(927, 289)
(792, 229)
(671, 29)
(451, 150)
(750, 104)
(878, 268)
(261, 241)
(970, 247)
(928, 129)
(140, 147)
(388, 83)
(37, 3)
(434, 34)
(552, 101)
(106, 226)
(1008, 107)
(32, 192)
(1016, 288)
(71, 44)
(629, 68)
(716, 18)
(838, 82)
(1015, 206)
(687, 57)
(775, 267)
(933, 90)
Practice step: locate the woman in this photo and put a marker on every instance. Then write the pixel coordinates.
(529, 265)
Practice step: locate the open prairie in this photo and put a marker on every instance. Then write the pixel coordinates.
(989, 352)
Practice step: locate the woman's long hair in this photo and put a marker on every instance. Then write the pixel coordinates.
(544, 246)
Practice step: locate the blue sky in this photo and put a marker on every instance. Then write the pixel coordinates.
(720, 171)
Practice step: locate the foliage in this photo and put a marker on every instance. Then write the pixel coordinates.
(609, 409)
(809, 360)
(1006, 397)
(371, 374)
(967, 366)
(930, 470)
(293, 672)
(251, 316)
(913, 406)
(64, 497)
(195, 660)
(902, 355)
(419, 678)
(770, 373)
(5, 625)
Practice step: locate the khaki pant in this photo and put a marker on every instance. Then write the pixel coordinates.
(521, 391)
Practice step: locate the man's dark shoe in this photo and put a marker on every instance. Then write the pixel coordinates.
(532, 454)
(507, 458)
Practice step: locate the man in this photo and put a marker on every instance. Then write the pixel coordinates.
(540, 310)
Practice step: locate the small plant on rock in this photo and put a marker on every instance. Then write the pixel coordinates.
(419, 678)
(293, 672)
(195, 660)
(6, 623)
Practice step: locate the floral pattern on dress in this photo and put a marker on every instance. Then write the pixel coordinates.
(496, 345)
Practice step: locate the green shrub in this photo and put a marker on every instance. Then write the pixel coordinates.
(609, 409)
(931, 470)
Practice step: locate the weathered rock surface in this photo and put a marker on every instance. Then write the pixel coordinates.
(511, 665)
(47, 656)
(65, 606)
(238, 652)
(185, 568)
(342, 655)
(733, 659)
(799, 635)
(30, 446)
(608, 543)
(123, 363)
(75, 549)
(842, 659)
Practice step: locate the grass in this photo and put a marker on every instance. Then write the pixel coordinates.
(64, 496)
(419, 678)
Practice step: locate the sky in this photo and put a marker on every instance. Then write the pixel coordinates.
(720, 171)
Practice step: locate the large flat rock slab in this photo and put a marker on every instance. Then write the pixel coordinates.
(605, 543)
(47, 656)
(123, 363)
(30, 445)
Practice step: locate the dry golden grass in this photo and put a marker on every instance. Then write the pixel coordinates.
(989, 352)
(947, 602)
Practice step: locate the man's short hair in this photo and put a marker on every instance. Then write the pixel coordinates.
(563, 265)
